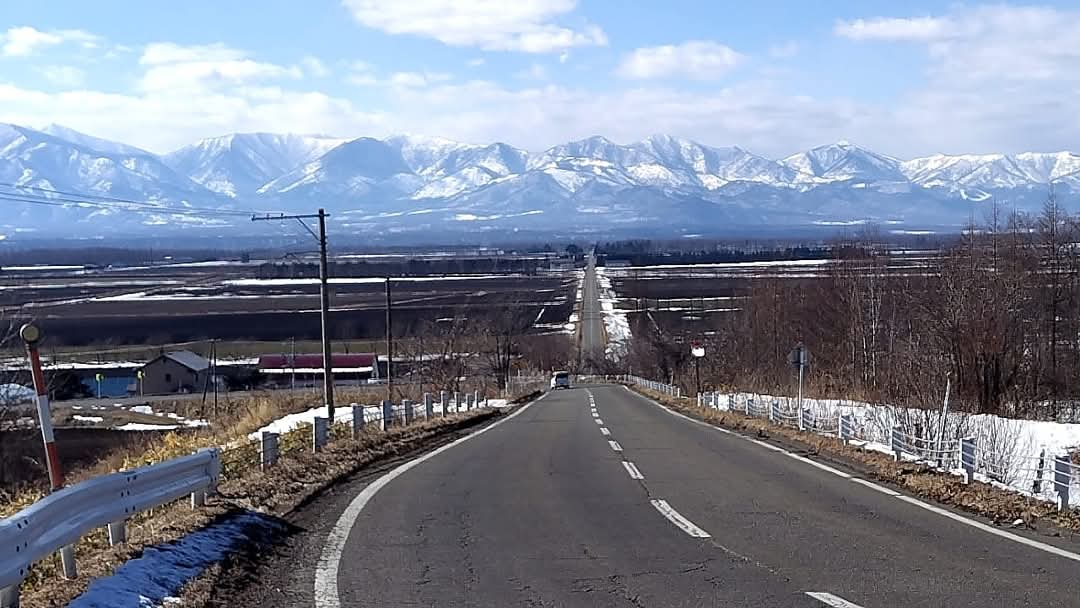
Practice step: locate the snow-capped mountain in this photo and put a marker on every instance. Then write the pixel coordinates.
(411, 182)
(241, 163)
(844, 161)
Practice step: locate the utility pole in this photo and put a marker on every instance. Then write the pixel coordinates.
(389, 347)
(213, 373)
(324, 296)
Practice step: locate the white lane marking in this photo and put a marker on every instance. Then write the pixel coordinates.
(991, 530)
(832, 600)
(615, 445)
(632, 470)
(595, 415)
(604, 431)
(823, 467)
(874, 486)
(326, 571)
(599, 421)
(914, 501)
(674, 517)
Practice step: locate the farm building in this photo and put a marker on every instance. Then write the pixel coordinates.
(284, 370)
(176, 372)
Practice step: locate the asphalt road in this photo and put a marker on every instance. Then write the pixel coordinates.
(592, 317)
(634, 506)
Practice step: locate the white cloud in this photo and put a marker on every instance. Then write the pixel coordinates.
(784, 51)
(475, 62)
(64, 75)
(314, 67)
(173, 68)
(521, 25)
(696, 59)
(915, 29)
(535, 71)
(416, 79)
(26, 40)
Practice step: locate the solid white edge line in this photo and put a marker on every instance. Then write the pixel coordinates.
(615, 445)
(908, 499)
(681, 522)
(632, 469)
(326, 571)
(604, 431)
(832, 600)
(991, 530)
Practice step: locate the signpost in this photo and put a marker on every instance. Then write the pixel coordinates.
(697, 349)
(800, 358)
(99, 378)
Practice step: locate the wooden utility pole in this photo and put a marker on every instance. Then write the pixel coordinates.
(324, 297)
(389, 347)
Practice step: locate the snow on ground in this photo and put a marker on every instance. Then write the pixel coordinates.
(1007, 448)
(765, 264)
(157, 576)
(141, 426)
(88, 418)
(342, 414)
(365, 280)
(615, 321)
(141, 409)
(15, 393)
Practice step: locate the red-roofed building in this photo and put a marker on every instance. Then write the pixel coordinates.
(281, 369)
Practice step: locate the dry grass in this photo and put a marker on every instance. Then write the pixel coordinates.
(1001, 506)
(296, 478)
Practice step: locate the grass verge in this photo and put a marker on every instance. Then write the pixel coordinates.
(296, 478)
(1004, 508)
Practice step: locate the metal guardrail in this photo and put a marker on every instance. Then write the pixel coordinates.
(652, 385)
(63, 517)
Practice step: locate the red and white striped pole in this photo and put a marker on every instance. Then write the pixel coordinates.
(32, 335)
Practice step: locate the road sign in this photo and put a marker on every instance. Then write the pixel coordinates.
(799, 356)
(697, 349)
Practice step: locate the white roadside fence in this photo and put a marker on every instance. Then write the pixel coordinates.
(108, 501)
(981, 448)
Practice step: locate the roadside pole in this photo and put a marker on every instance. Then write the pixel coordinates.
(944, 419)
(324, 297)
(389, 347)
(32, 335)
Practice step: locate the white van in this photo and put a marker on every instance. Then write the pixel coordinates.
(560, 380)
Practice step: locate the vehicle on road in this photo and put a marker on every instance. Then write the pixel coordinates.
(560, 380)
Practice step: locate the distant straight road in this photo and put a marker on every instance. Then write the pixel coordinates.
(592, 316)
(598, 497)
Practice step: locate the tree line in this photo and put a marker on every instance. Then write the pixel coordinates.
(996, 314)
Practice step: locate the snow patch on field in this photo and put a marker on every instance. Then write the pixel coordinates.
(615, 322)
(88, 418)
(342, 414)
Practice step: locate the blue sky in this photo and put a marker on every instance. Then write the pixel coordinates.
(907, 79)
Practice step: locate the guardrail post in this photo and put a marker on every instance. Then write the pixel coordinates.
(408, 407)
(967, 458)
(845, 427)
(469, 401)
(387, 414)
(802, 418)
(444, 400)
(357, 420)
(896, 443)
(457, 401)
(774, 412)
(268, 449)
(117, 533)
(1036, 487)
(319, 433)
(429, 406)
(9, 597)
(476, 398)
(1062, 480)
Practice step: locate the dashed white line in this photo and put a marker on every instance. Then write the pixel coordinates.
(615, 445)
(595, 415)
(604, 431)
(599, 421)
(832, 600)
(674, 517)
(632, 470)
